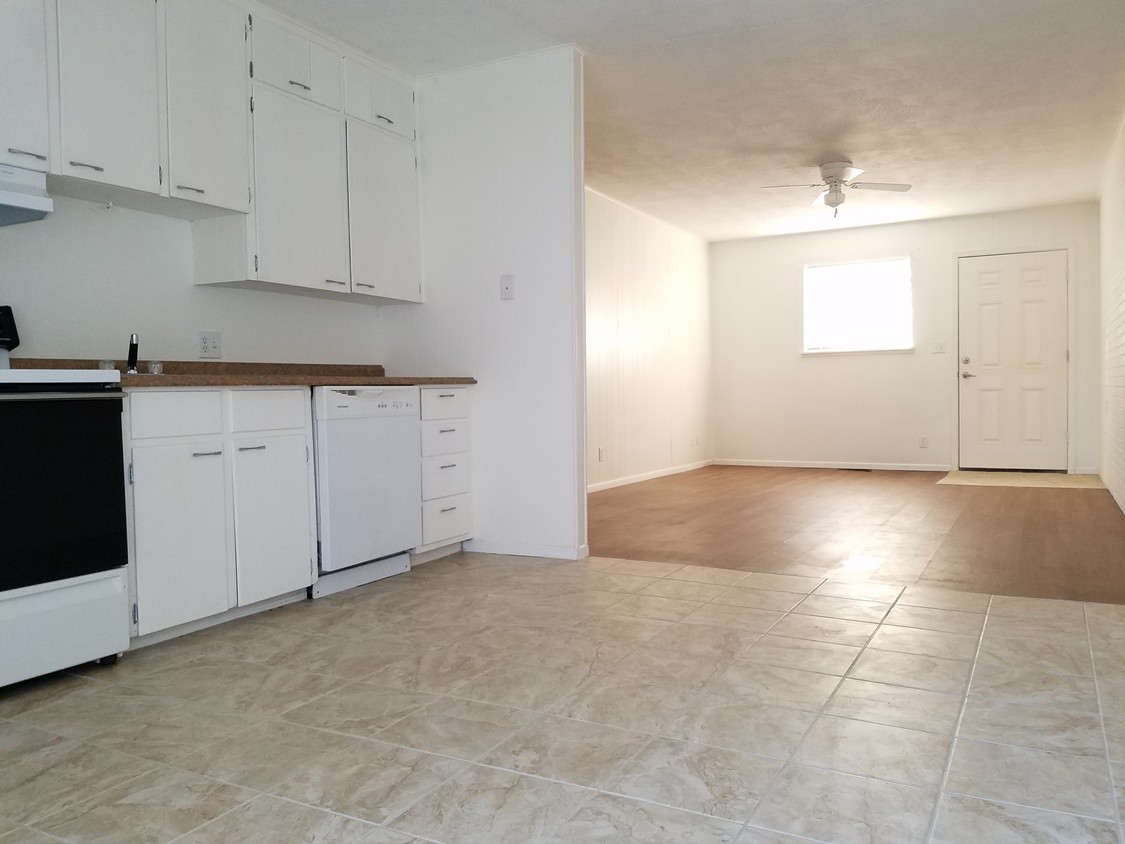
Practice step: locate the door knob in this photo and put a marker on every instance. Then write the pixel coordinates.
(967, 375)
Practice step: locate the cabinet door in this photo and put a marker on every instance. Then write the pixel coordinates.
(208, 104)
(301, 193)
(272, 517)
(180, 510)
(108, 96)
(23, 85)
(291, 62)
(383, 205)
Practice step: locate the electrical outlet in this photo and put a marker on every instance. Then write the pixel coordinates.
(210, 344)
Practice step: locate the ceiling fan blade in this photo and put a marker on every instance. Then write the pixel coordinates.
(769, 187)
(850, 173)
(878, 186)
(820, 199)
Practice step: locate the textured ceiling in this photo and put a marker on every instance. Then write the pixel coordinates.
(693, 105)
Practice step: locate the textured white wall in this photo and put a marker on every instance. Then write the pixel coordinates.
(1113, 321)
(647, 346)
(775, 406)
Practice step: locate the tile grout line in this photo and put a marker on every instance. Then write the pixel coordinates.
(1101, 721)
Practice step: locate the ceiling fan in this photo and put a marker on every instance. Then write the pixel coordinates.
(837, 175)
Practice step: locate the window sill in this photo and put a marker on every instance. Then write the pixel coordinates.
(835, 353)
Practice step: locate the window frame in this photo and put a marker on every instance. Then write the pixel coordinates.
(870, 348)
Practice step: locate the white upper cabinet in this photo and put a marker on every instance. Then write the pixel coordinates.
(301, 202)
(288, 60)
(383, 215)
(23, 85)
(109, 106)
(208, 103)
(376, 98)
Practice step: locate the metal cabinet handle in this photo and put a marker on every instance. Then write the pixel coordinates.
(333, 281)
(361, 284)
(206, 453)
(446, 396)
(91, 166)
(189, 187)
(447, 431)
(381, 117)
(448, 466)
(447, 509)
(251, 448)
(15, 151)
(300, 84)
(967, 375)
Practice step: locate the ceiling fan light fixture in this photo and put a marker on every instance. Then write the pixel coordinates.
(834, 196)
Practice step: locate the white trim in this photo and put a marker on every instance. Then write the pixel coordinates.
(647, 476)
(528, 549)
(219, 618)
(807, 464)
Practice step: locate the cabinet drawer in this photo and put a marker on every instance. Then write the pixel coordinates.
(445, 402)
(445, 475)
(267, 410)
(175, 414)
(446, 436)
(446, 518)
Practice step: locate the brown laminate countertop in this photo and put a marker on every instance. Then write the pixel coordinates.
(190, 373)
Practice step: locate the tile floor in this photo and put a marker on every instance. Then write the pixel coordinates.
(500, 699)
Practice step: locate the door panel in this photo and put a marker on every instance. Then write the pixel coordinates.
(1013, 351)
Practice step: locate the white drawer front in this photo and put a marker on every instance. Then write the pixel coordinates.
(444, 402)
(159, 414)
(446, 518)
(268, 410)
(445, 436)
(445, 475)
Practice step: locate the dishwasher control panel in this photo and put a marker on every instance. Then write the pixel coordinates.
(364, 402)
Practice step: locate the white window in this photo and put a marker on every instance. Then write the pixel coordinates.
(862, 307)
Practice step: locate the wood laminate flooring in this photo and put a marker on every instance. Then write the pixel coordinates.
(887, 527)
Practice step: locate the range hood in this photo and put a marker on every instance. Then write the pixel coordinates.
(23, 196)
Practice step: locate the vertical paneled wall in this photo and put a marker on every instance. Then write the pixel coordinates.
(647, 346)
(1113, 321)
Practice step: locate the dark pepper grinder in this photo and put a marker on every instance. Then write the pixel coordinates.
(131, 367)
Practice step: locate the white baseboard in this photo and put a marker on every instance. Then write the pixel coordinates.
(527, 549)
(807, 464)
(646, 476)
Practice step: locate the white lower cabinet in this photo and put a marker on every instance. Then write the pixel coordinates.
(447, 514)
(222, 500)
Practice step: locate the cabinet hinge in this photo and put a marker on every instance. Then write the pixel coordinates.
(160, 173)
(255, 263)
(130, 474)
(250, 21)
(251, 105)
(136, 615)
(251, 69)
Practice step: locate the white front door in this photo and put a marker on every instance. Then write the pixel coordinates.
(1012, 351)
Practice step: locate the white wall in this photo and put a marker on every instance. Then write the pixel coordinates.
(647, 346)
(502, 194)
(775, 406)
(82, 280)
(1113, 321)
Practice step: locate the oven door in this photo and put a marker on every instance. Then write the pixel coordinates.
(62, 480)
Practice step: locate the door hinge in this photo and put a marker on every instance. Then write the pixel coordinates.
(250, 21)
(251, 68)
(251, 105)
(160, 173)
(255, 263)
(136, 615)
(130, 474)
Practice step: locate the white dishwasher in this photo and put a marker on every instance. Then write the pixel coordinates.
(368, 483)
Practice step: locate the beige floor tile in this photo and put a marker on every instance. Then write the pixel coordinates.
(1105, 613)
(17, 741)
(944, 599)
(580, 650)
(898, 754)
(929, 618)
(484, 804)
(831, 806)
(1055, 655)
(1038, 778)
(27, 835)
(1014, 626)
(781, 582)
(701, 640)
(265, 755)
(515, 684)
(963, 819)
(34, 694)
(437, 670)
(737, 618)
(358, 709)
(896, 706)
(645, 569)
(1076, 733)
(805, 654)
(609, 818)
(834, 630)
(271, 819)
(1035, 688)
(706, 574)
(626, 702)
(370, 780)
(740, 725)
(916, 671)
(577, 752)
(852, 609)
(610, 581)
(661, 609)
(683, 590)
(1112, 696)
(58, 776)
(7, 826)
(915, 640)
(1042, 608)
(1115, 738)
(156, 806)
(761, 599)
(764, 836)
(621, 629)
(697, 777)
(864, 591)
(464, 729)
(771, 685)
